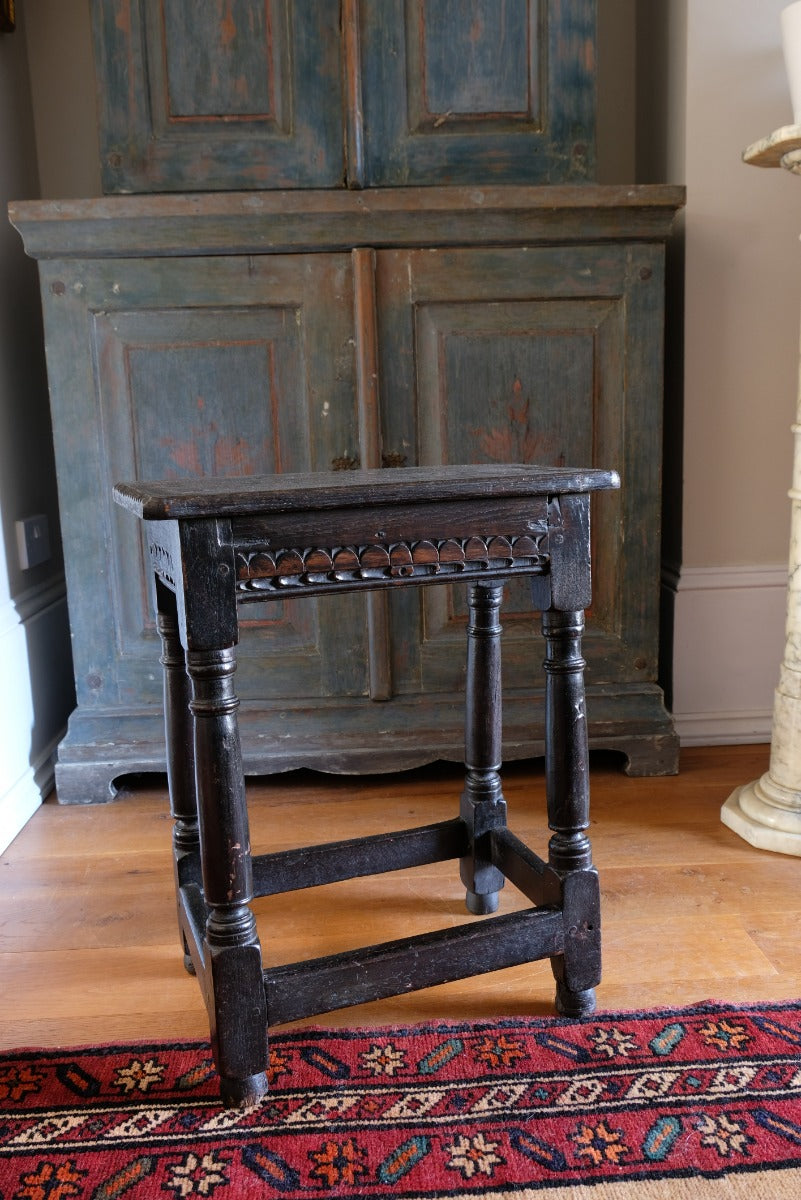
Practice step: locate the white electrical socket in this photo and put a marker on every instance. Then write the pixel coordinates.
(33, 541)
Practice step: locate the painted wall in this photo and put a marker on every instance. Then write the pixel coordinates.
(35, 667)
(743, 288)
(711, 81)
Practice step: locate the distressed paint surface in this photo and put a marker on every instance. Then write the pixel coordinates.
(200, 431)
(478, 91)
(240, 306)
(189, 368)
(494, 42)
(472, 347)
(253, 223)
(227, 62)
(269, 93)
(231, 94)
(523, 355)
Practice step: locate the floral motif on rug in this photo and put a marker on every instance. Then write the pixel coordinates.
(449, 1109)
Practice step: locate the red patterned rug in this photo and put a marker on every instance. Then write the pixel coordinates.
(702, 1101)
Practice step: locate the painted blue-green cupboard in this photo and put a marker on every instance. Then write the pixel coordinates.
(241, 94)
(367, 234)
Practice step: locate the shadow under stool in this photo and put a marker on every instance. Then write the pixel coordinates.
(218, 544)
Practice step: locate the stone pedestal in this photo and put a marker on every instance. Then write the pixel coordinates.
(767, 812)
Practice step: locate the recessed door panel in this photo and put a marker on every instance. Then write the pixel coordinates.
(523, 356)
(229, 62)
(210, 391)
(194, 97)
(497, 47)
(478, 91)
(224, 367)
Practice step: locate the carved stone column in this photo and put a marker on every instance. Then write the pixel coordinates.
(767, 811)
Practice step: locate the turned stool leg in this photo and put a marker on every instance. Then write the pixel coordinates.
(482, 805)
(179, 731)
(578, 970)
(236, 1002)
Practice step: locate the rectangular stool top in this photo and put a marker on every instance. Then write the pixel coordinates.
(173, 499)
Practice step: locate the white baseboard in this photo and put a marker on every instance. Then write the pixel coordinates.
(21, 801)
(728, 644)
(34, 701)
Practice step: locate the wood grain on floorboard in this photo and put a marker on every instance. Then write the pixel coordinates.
(89, 950)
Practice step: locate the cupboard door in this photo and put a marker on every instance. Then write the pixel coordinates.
(191, 367)
(245, 94)
(472, 91)
(549, 355)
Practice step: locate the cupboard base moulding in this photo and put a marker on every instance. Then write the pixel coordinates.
(346, 737)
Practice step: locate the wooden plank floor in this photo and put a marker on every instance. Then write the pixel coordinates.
(88, 949)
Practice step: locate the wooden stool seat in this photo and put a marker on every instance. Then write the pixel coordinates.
(218, 544)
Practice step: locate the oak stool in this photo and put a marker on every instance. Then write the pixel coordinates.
(216, 544)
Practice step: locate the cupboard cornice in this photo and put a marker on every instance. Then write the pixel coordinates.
(286, 222)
